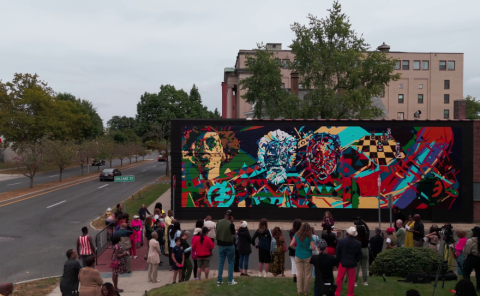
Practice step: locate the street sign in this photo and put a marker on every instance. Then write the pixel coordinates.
(124, 178)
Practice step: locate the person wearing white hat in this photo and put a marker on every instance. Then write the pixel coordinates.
(137, 226)
(348, 253)
(244, 247)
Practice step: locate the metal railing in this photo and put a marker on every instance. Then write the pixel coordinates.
(103, 238)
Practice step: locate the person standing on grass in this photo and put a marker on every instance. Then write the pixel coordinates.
(119, 210)
(376, 246)
(263, 246)
(153, 259)
(303, 252)
(459, 245)
(391, 239)
(196, 232)
(85, 247)
(418, 232)
(400, 233)
(323, 264)
(226, 250)
(212, 227)
(202, 246)
(331, 240)
(71, 268)
(362, 237)
(297, 223)
(348, 253)
(472, 253)
(142, 213)
(244, 247)
(187, 250)
(278, 262)
(178, 258)
(6, 289)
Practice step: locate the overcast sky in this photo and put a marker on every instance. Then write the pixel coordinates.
(112, 51)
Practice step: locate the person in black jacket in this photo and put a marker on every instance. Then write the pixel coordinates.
(69, 282)
(348, 253)
(376, 246)
(243, 247)
(263, 246)
(324, 264)
(143, 213)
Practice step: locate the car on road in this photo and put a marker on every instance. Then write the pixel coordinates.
(98, 162)
(162, 158)
(109, 174)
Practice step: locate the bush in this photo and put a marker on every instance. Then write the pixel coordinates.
(402, 261)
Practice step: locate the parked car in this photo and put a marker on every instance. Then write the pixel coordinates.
(162, 158)
(109, 174)
(98, 162)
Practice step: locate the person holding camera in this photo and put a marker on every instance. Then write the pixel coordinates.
(327, 220)
(472, 253)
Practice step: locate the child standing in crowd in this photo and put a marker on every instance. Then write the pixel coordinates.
(178, 257)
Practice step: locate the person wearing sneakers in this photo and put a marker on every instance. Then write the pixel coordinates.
(244, 248)
(348, 253)
(226, 250)
(202, 247)
(303, 243)
(263, 246)
(323, 264)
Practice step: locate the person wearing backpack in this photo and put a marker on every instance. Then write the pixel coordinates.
(303, 252)
(263, 246)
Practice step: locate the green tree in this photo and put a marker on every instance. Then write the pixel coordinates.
(339, 68)
(85, 151)
(85, 107)
(30, 156)
(117, 123)
(264, 86)
(29, 111)
(473, 107)
(61, 154)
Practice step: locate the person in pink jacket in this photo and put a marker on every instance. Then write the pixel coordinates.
(137, 228)
(462, 240)
(202, 246)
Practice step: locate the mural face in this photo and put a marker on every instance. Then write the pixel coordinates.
(321, 167)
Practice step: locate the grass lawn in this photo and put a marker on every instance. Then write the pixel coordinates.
(146, 196)
(254, 286)
(36, 288)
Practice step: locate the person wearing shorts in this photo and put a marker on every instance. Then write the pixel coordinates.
(178, 257)
(202, 246)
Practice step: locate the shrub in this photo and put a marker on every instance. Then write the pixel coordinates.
(402, 261)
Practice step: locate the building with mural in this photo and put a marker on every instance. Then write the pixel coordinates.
(281, 169)
(430, 83)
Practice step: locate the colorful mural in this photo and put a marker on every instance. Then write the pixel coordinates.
(320, 167)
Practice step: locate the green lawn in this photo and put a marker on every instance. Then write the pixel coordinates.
(146, 196)
(253, 286)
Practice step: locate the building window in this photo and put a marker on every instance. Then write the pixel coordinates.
(283, 86)
(400, 115)
(400, 86)
(446, 99)
(420, 86)
(397, 65)
(446, 84)
(285, 64)
(425, 65)
(416, 65)
(446, 114)
(300, 86)
(451, 65)
(278, 62)
(400, 99)
(405, 65)
(443, 65)
(420, 99)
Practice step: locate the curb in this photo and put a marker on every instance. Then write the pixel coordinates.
(91, 226)
(48, 277)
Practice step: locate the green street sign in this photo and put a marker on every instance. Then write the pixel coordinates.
(124, 178)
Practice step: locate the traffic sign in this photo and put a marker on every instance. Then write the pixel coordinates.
(124, 178)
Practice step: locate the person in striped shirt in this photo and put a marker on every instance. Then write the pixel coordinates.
(85, 247)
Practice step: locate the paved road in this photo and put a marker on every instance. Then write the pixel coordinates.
(22, 182)
(44, 227)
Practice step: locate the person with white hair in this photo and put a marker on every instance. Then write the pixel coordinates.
(323, 265)
(244, 247)
(348, 253)
(401, 233)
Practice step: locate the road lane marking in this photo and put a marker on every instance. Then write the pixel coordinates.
(14, 184)
(103, 186)
(154, 166)
(52, 176)
(70, 185)
(144, 171)
(56, 204)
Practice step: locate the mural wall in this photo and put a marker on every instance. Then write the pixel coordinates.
(321, 167)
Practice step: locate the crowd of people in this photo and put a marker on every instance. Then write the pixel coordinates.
(311, 255)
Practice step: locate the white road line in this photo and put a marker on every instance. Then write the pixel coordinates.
(52, 176)
(154, 166)
(14, 184)
(103, 186)
(56, 204)
(144, 171)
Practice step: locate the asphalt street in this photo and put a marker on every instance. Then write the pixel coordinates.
(36, 233)
(22, 182)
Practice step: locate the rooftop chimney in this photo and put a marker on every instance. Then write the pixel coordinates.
(460, 109)
(294, 82)
(384, 47)
(274, 46)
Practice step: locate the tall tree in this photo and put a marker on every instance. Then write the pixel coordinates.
(339, 67)
(30, 156)
(117, 123)
(85, 151)
(61, 154)
(473, 107)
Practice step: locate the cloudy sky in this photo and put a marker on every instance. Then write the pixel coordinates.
(112, 51)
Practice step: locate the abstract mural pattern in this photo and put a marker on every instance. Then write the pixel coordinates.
(320, 167)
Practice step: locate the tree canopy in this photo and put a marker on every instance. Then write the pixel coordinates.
(473, 107)
(121, 123)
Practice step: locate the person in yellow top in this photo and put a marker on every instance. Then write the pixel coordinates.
(168, 222)
(409, 237)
